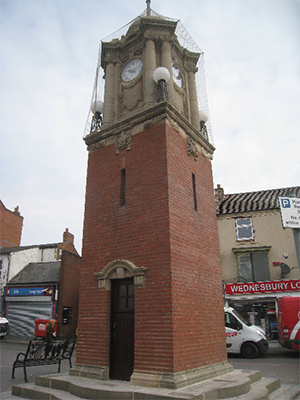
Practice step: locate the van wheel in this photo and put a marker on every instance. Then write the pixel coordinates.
(249, 350)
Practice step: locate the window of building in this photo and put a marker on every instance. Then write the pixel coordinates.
(123, 186)
(253, 266)
(194, 192)
(244, 229)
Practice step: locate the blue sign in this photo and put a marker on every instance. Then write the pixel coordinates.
(36, 291)
(285, 203)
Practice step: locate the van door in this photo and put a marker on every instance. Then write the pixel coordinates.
(234, 333)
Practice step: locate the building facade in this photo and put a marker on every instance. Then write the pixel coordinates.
(11, 224)
(14, 259)
(44, 290)
(258, 256)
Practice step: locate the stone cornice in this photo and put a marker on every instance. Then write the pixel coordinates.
(250, 247)
(150, 116)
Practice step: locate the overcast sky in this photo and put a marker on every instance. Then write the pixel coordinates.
(48, 57)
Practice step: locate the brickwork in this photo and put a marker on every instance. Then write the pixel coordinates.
(69, 292)
(67, 244)
(179, 322)
(11, 224)
(198, 321)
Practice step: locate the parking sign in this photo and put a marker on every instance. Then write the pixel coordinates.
(290, 211)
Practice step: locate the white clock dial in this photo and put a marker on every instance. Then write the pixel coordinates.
(177, 77)
(131, 70)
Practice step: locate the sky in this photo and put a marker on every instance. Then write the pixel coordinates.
(48, 56)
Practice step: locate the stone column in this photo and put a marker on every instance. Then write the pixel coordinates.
(109, 94)
(149, 68)
(166, 61)
(193, 98)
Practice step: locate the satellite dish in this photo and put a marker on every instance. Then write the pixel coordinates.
(285, 269)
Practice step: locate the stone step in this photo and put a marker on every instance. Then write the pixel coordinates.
(230, 385)
(286, 392)
(261, 389)
(32, 391)
(238, 385)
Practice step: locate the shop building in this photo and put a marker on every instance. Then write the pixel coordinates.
(258, 256)
(11, 224)
(14, 259)
(44, 290)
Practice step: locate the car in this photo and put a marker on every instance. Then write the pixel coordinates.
(4, 325)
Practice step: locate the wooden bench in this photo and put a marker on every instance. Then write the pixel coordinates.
(44, 353)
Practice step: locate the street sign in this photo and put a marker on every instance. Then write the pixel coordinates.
(290, 211)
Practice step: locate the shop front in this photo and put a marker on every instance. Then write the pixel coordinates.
(25, 304)
(258, 301)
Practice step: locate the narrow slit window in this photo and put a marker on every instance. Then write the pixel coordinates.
(123, 186)
(194, 192)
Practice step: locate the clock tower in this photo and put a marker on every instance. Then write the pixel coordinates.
(151, 305)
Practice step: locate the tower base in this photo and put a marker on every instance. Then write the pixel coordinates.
(180, 379)
(166, 380)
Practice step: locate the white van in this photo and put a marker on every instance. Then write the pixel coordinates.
(242, 337)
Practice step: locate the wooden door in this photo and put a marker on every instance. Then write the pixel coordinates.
(122, 329)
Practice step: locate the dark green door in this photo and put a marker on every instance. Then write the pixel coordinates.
(122, 329)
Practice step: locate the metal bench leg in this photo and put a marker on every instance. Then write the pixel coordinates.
(25, 373)
(13, 372)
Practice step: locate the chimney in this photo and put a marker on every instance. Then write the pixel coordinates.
(68, 237)
(16, 210)
(219, 195)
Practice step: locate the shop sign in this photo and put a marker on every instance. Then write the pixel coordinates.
(33, 291)
(290, 211)
(263, 287)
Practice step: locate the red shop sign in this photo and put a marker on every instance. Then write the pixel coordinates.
(263, 287)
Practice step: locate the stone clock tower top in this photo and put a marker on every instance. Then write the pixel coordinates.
(129, 61)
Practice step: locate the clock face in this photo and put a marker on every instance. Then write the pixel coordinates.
(177, 77)
(131, 70)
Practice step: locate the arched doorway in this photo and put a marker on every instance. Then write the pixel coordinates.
(121, 277)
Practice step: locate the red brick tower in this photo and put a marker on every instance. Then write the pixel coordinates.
(151, 306)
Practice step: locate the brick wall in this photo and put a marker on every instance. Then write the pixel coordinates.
(68, 292)
(179, 322)
(11, 224)
(198, 317)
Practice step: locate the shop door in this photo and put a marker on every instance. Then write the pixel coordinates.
(21, 316)
(122, 329)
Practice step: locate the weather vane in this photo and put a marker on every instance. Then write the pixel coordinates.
(148, 7)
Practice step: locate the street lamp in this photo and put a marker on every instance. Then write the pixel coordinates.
(203, 119)
(161, 76)
(97, 110)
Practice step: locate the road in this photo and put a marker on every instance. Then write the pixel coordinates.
(276, 363)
